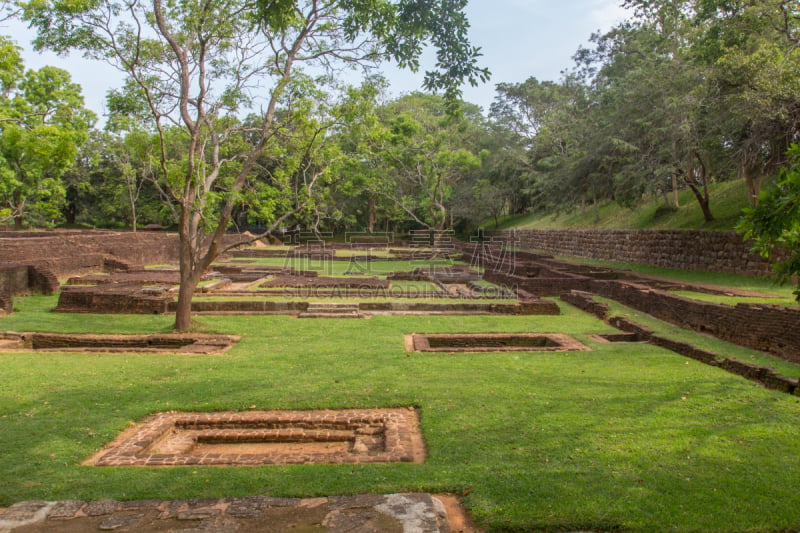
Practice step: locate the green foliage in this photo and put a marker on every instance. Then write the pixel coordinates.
(773, 225)
(42, 125)
(685, 94)
(11, 66)
(412, 155)
(729, 198)
(207, 48)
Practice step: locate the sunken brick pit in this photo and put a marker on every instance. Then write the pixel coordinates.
(268, 438)
(160, 343)
(493, 342)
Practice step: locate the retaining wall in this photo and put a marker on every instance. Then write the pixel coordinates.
(66, 253)
(715, 251)
(763, 375)
(23, 279)
(768, 328)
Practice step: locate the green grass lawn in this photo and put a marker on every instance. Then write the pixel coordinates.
(766, 286)
(624, 437)
(348, 268)
(734, 300)
(727, 201)
(705, 342)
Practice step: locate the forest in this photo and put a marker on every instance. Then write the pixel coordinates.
(682, 95)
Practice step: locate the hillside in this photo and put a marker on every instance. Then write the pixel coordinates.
(727, 201)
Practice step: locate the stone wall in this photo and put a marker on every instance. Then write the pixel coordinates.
(23, 279)
(111, 298)
(13, 279)
(66, 253)
(716, 251)
(768, 328)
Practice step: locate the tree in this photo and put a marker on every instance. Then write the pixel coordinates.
(746, 54)
(412, 154)
(773, 225)
(199, 65)
(42, 124)
(425, 153)
(752, 48)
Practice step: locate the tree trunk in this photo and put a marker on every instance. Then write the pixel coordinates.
(371, 215)
(703, 197)
(704, 202)
(753, 184)
(132, 201)
(183, 311)
(596, 210)
(676, 200)
(188, 274)
(18, 213)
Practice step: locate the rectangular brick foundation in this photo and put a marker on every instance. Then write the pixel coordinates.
(268, 438)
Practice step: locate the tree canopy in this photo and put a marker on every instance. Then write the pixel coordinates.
(43, 122)
(194, 68)
(232, 115)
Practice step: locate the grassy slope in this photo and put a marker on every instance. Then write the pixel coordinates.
(727, 200)
(628, 437)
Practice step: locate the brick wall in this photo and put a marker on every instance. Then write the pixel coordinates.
(13, 280)
(67, 253)
(768, 328)
(716, 251)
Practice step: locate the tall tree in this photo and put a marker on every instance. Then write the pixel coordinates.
(424, 153)
(42, 125)
(747, 56)
(773, 226)
(199, 64)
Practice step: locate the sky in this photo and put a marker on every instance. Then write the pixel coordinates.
(519, 39)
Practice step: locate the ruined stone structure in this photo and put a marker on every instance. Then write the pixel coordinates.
(637, 333)
(768, 328)
(715, 251)
(66, 253)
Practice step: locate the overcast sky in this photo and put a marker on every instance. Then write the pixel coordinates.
(519, 39)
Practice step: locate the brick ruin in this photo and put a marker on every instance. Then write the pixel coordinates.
(185, 343)
(713, 251)
(769, 328)
(241, 288)
(40, 258)
(33, 261)
(765, 376)
(66, 253)
(492, 342)
(268, 438)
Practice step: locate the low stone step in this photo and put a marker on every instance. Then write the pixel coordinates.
(331, 310)
(329, 315)
(332, 307)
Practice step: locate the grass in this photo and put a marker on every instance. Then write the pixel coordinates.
(722, 348)
(347, 268)
(354, 299)
(765, 286)
(625, 437)
(734, 300)
(727, 201)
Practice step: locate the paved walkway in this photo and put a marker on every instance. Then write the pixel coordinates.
(394, 513)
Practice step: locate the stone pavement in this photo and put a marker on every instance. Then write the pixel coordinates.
(394, 513)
